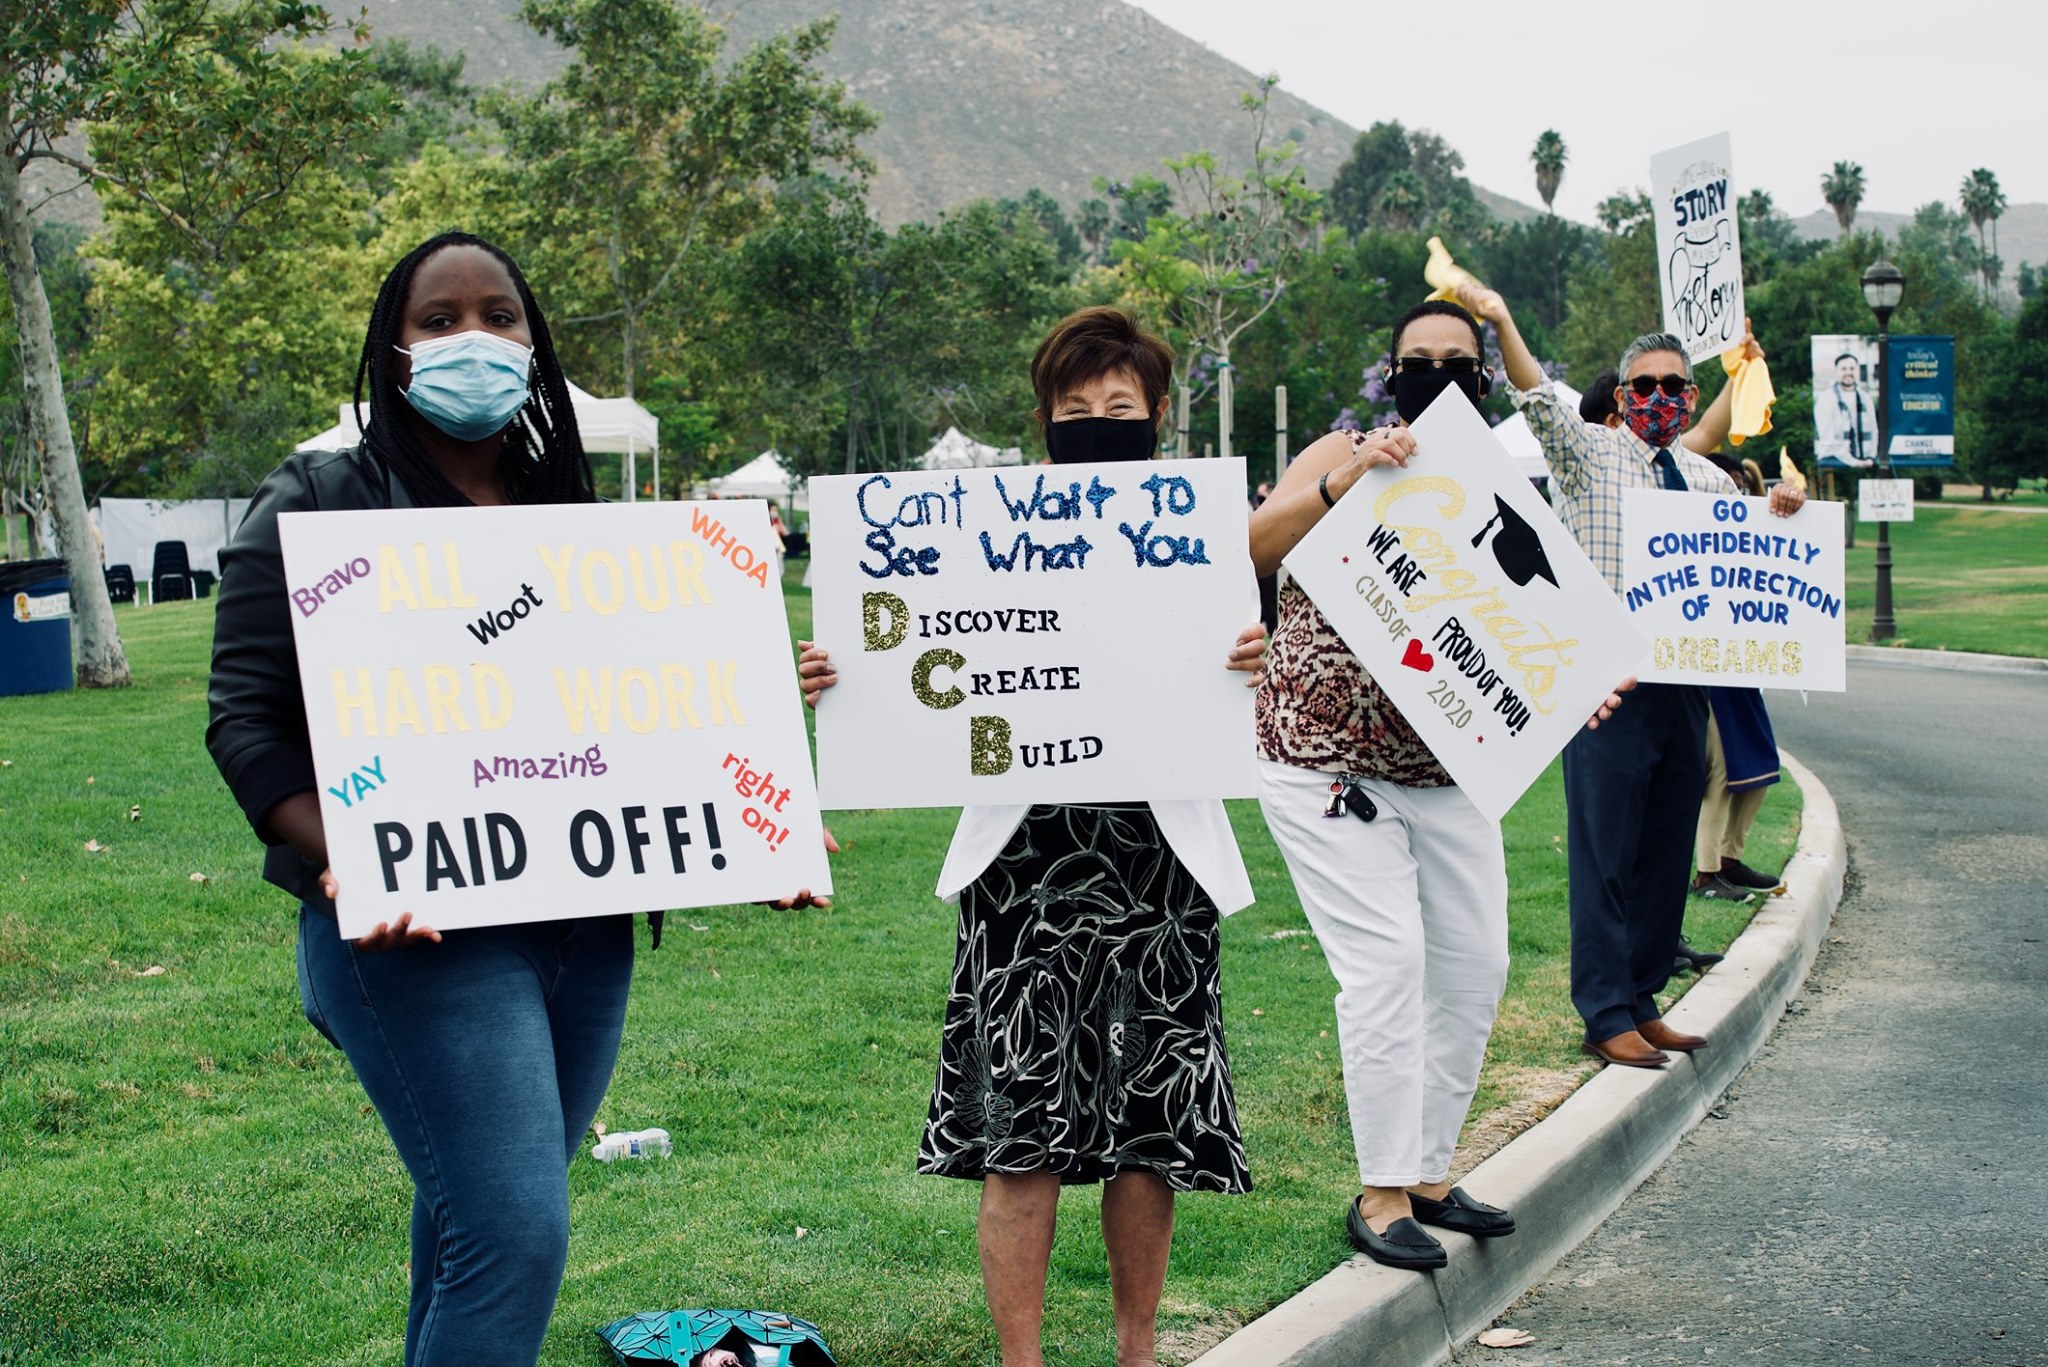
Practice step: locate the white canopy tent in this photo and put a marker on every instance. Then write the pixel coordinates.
(131, 527)
(617, 426)
(1521, 443)
(958, 451)
(761, 477)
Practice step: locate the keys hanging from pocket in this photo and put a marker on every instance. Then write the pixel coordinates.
(1349, 798)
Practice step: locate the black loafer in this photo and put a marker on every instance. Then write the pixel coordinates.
(1461, 1213)
(1404, 1245)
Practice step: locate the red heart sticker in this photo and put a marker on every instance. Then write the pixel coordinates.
(1417, 658)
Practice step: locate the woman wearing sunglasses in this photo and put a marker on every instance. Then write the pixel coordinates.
(1403, 880)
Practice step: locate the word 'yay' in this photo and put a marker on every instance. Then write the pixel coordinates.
(365, 780)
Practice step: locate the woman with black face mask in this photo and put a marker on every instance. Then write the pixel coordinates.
(1404, 882)
(1083, 1039)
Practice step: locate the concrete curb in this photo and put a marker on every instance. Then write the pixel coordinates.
(1947, 659)
(1565, 1175)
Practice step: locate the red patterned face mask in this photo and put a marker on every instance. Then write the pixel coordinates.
(1658, 419)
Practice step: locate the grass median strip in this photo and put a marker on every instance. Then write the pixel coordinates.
(189, 1174)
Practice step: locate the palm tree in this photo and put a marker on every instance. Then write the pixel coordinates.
(1984, 202)
(1402, 202)
(1843, 190)
(1550, 158)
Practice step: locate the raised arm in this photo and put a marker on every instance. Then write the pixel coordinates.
(1571, 446)
(1710, 427)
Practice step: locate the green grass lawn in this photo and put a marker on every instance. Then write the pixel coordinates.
(1962, 579)
(188, 1174)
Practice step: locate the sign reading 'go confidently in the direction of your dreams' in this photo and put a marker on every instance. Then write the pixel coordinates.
(526, 713)
(1699, 245)
(1044, 633)
(1476, 612)
(1730, 594)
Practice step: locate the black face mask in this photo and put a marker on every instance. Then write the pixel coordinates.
(1081, 441)
(1416, 390)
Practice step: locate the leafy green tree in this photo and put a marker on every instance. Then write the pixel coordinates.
(1549, 158)
(1530, 262)
(650, 152)
(432, 107)
(1842, 188)
(2014, 395)
(1220, 264)
(64, 274)
(204, 112)
(1376, 154)
(1622, 210)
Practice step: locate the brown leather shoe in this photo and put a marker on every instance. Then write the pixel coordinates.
(1664, 1037)
(1629, 1049)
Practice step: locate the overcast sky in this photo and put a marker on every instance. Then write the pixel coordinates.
(1918, 93)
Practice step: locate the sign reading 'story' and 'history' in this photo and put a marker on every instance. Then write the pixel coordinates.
(1043, 633)
(1699, 245)
(529, 713)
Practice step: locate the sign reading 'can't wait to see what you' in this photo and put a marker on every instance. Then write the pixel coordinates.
(530, 713)
(1033, 634)
(1470, 606)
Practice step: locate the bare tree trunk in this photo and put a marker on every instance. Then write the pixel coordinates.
(95, 639)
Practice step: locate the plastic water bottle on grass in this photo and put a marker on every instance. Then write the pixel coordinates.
(634, 1144)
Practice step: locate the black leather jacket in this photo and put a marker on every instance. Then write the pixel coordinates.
(256, 714)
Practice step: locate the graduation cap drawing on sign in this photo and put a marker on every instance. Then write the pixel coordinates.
(1517, 549)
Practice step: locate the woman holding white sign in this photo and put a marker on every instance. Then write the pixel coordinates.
(1083, 1039)
(487, 1050)
(1403, 880)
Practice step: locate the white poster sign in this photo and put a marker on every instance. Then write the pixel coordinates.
(1033, 634)
(1730, 594)
(526, 713)
(1884, 500)
(1699, 245)
(1467, 602)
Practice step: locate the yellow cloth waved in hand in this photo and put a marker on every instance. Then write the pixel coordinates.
(1445, 275)
(1788, 472)
(1750, 395)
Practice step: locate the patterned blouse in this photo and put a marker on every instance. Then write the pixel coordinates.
(1319, 709)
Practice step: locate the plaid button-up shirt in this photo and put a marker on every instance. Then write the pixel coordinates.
(1591, 465)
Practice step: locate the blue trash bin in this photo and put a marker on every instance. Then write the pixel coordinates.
(35, 627)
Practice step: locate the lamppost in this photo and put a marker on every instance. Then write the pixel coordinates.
(1883, 284)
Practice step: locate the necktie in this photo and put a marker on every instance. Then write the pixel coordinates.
(1667, 471)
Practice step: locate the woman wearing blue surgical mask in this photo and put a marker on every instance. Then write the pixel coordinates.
(485, 1051)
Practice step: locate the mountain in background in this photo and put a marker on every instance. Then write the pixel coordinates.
(977, 98)
(2022, 235)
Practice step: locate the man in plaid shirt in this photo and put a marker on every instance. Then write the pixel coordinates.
(1633, 787)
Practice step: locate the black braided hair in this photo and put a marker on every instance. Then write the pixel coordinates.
(556, 472)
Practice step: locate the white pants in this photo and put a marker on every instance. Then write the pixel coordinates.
(1411, 909)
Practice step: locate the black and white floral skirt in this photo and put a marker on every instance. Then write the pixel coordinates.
(1084, 1032)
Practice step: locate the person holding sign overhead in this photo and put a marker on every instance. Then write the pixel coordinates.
(487, 1050)
(1403, 880)
(1083, 1039)
(1632, 790)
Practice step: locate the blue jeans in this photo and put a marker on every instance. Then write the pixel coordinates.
(486, 1056)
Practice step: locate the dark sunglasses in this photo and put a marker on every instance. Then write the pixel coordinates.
(1451, 365)
(1673, 385)
(1349, 798)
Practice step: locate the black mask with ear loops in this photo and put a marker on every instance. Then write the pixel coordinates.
(1416, 390)
(1082, 441)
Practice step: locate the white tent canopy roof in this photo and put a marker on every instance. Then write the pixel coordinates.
(616, 425)
(1521, 443)
(958, 451)
(761, 477)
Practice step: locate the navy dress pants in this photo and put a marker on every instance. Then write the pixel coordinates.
(1632, 799)
(486, 1056)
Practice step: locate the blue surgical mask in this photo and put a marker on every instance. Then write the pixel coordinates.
(469, 385)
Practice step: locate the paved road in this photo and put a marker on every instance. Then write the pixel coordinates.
(1874, 1188)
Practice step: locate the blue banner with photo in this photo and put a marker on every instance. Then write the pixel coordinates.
(1920, 402)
